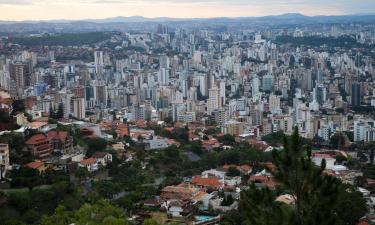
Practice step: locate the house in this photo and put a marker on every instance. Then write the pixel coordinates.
(210, 144)
(37, 125)
(37, 165)
(244, 169)
(119, 147)
(260, 145)
(179, 192)
(21, 119)
(263, 181)
(207, 183)
(214, 172)
(178, 208)
(90, 164)
(102, 158)
(40, 146)
(156, 143)
(60, 140)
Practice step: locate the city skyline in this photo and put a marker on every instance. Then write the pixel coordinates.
(19, 10)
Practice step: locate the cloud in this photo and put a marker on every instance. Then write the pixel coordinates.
(82, 9)
(16, 2)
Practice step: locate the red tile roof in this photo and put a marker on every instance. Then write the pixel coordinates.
(99, 155)
(35, 165)
(206, 182)
(88, 161)
(36, 139)
(62, 135)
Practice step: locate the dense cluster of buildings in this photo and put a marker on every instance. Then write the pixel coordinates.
(247, 84)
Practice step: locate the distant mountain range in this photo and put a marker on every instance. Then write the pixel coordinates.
(141, 24)
(283, 17)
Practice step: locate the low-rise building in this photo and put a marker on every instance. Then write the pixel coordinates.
(40, 146)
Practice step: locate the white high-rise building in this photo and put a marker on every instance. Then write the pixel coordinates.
(79, 108)
(213, 100)
(274, 104)
(163, 76)
(255, 86)
(164, 62)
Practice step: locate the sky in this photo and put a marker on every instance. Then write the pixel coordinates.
(95, 9)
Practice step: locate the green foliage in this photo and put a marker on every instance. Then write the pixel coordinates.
(211, 131)
(233, 172)
(342, 41)
(25, 177)
(315, 193)
(226, 139)
(73, 131)
(64, 39)
(318, 198)
(150, 222)
(4, 117)
(81, 173)
(18, 106)
(350, 205)
(102, 212)
(15, 141)
(274, 139)
(258, 207)
(227, 200)
(368, 171)
(30, 206)
(95, 144)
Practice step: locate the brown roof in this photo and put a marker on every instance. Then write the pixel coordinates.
(36, 139)
(61, 135)
(35, 165)
(99, 155)
(206, 182)
(88, 161)
(37, 124)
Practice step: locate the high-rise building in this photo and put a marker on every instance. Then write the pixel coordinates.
(222, 93)
(213, 100)
(20, 76)
(99, 62)
(79, 108)
(267, 82)
(274, 104)
(356, 94)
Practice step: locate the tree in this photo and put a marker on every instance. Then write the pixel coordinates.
(25, 177)
(102, 212)
(227, 200)
(350, 205)
(233, 172)
(226, 139)
(81, 173)
(258, 207)
(150, 222)
(316, 195)
(94, 145)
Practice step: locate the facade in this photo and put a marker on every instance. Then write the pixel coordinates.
(40, 146)
(60, 140)
(356, 94)
(4, 159)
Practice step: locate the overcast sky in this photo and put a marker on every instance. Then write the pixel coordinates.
(82, 9)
